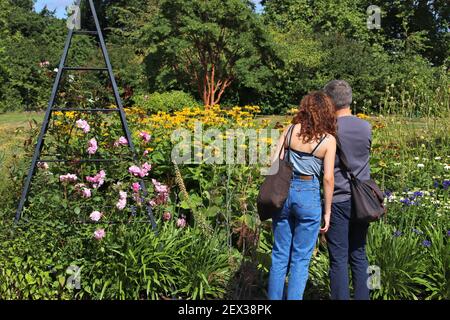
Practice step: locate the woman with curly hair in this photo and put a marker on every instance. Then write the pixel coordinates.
(311, 148)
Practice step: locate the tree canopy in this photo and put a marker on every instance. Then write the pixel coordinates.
(225, 52)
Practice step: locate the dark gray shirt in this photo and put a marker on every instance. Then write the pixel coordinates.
(355, 135)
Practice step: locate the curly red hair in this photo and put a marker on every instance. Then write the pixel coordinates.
(317, 117)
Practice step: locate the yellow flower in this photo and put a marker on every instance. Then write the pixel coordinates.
(362, 116)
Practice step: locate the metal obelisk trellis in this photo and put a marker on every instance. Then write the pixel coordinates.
(51, 109)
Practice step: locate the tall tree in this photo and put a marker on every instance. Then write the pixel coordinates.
(206, 44)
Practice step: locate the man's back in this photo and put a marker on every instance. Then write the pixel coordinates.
(355, 136)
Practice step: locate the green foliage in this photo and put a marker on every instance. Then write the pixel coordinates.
(166, 101)
(198, 44)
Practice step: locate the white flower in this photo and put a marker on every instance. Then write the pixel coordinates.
(416, 158)
(420, 165)
(437, 158)
(446, 167)
(56, 70)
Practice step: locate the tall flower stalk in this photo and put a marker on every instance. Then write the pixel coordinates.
(199, 219)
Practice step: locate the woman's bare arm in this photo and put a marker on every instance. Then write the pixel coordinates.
(328, 180)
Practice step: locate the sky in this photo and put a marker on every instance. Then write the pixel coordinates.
(60, 6)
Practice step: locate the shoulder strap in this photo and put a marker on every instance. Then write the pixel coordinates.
(288, 133)
(318, 145)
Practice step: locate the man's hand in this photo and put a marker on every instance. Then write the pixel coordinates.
(326, 219)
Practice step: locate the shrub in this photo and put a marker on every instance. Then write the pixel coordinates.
(166, 101)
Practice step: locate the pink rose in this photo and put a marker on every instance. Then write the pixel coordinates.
(97, 180)
(99, 234)
(145, 136)
(92, 149)
(135, 171)
(86, 193)
(68, 178)
(82, 124)
(96, 216)
(140, 172)
(181, 222)
(136, 187)
(122, 195)
(121, 204)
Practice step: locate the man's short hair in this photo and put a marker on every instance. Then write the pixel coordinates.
(341, 93)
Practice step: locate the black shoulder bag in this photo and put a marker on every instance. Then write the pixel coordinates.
(367, 198)
(275, 188)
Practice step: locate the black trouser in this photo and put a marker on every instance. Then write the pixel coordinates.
(346, 241)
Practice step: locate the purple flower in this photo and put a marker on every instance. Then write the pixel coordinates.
(418, 194)
(446, 184)
(448, 233)
(406, 201)
(417, 231)
(397, 233)
(436, 184)
(426, 243)
(387, 193)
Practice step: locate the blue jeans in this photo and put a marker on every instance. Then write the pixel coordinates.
(346, 242)
(295, 230)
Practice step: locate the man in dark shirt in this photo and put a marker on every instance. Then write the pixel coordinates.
(346, 239)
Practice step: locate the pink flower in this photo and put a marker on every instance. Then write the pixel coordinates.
(167, 216)
(97, 180)
(86, 193)
(122, 200)
(96, 216)
(92, 149)
(42, 165)
(146, 167)
(159, 187)
(121, 204)
(68, 178)
(135, 171)
(145, 136)
(99, 234)
(121, 142)
(82, 124)
(145, 153)
(163, 193)
(140, 172)
(136, 187)
(181, 222)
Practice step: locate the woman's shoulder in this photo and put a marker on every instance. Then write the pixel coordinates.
(330, 138)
